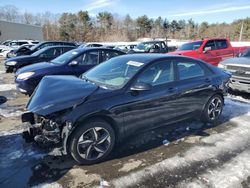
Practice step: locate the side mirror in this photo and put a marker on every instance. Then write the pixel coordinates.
(141, 86)
(206, 49)
(73, 63)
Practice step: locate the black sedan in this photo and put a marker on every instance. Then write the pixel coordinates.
(20, 51)
(120, 97)
(74, 62)
(41, 45)
(45, 54)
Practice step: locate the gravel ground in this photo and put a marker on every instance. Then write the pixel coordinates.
(187, 154)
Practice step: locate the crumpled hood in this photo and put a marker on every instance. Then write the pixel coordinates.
(56, 93)
(237, 60)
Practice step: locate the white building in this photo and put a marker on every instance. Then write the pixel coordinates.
(17, 31)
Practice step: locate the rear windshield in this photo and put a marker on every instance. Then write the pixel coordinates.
(190, 46)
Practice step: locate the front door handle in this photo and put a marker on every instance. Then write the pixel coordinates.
(172, 89)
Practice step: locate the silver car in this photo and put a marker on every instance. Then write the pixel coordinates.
(239, 67)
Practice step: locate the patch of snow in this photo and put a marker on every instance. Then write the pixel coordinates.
(15, 155)
(238, 98)
(10, 113)
(222, 143)
(7, 87)
(229, 175)
(131, 165)
(10, 132)
(48, 185)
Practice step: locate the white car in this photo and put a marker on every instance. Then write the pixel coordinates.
(4, 50)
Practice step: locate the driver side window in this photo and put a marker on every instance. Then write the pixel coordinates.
(210, 44)
(158, 73)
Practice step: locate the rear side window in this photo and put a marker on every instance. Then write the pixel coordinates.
(163, 46)
(221, 44)
(67, 49)
(106, 55)
(187, 70)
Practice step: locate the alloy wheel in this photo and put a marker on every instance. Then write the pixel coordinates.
(215, 108)
(93, 143)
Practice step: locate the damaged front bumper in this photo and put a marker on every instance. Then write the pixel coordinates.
(46, 133)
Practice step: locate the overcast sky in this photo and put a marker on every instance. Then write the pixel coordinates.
(199, 10)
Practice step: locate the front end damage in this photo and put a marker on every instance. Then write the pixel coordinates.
(47, 132)
(47, 109)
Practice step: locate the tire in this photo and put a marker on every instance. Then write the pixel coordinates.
(213, 109)
(94, 148)
(15, 69)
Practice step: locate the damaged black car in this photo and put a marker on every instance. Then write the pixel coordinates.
(125, 95)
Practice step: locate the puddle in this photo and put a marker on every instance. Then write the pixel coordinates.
(7, 87)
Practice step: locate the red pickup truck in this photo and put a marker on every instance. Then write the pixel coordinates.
(211, 50)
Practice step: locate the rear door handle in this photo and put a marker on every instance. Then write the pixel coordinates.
(208, 80)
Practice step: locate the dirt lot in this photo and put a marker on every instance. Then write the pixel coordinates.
(187, 154)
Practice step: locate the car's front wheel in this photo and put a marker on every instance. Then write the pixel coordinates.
(213, 109)
(92, 142)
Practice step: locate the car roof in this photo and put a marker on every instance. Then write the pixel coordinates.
(153, 41)
(80, 50)
(206, 39)
(146, 58)
(57, 42)
(58, 46)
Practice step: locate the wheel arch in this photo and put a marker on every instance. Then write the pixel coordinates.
(84, 119)
(216, 93)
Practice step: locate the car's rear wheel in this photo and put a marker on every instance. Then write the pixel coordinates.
(92, 142)
(213, 109)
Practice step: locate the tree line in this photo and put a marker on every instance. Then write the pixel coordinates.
(106, 26)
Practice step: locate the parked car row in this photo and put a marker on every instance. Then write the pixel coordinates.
(10, 45)
(212, 50)
(45, 54)
(74, 62)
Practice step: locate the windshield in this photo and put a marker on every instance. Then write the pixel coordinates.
(64, 58)
(144, 46)
(247, 53)
(6, 43)
(82, 46)
(190, 46)
(114, 73)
